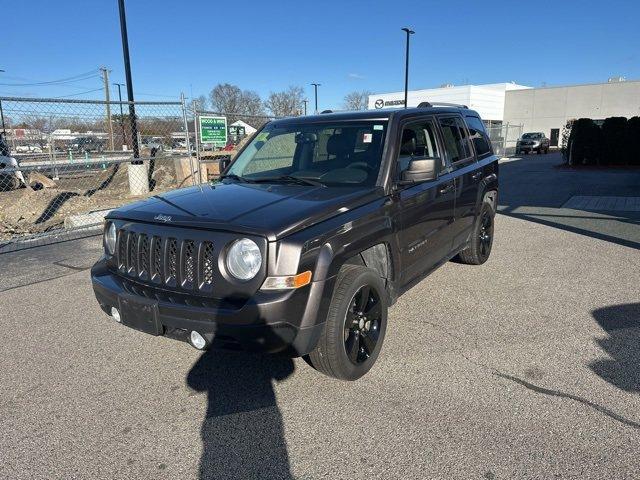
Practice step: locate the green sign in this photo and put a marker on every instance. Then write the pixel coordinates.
(213, 130)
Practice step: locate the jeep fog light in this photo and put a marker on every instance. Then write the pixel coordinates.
(287, 283)
(197, 340)
(115, 314)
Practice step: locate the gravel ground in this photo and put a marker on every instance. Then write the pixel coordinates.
(525, 367)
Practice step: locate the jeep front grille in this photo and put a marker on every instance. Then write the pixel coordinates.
(184, 264)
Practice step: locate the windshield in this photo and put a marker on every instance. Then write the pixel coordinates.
(532, 135)
(340, 153)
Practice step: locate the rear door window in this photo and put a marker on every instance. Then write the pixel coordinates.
(479, 136)
(455, 139)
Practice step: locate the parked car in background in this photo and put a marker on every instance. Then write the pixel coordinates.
(88, 144)
(28, 149)
(154, 143)
(534, 141)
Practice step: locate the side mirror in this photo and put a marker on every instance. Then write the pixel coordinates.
(420, 170)
(223, 163)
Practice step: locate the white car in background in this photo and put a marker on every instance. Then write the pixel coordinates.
(9, 180)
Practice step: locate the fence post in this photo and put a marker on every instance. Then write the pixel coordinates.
(187, 139)
(197, 142)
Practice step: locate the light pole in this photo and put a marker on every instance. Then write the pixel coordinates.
(124, 137)
(127, 71)
(315, 89)
(305, 101)
(406, 66)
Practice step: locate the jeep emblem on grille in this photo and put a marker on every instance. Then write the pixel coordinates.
(163, 218)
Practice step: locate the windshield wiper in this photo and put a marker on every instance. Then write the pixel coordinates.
(237, 178)
(290, 179)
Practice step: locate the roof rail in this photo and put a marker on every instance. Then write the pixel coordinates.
(440, 104)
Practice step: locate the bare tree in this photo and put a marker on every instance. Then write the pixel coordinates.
(357, 100)
(251, 103)
(227, 98)
(287, 103)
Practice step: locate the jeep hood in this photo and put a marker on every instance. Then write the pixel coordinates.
(264, 209)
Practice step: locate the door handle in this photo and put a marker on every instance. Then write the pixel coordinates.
(446, 188)
(476, 175)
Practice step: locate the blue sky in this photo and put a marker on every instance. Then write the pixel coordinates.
(191, 46)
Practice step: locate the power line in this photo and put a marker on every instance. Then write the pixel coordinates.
(81, 93)
(74, 78)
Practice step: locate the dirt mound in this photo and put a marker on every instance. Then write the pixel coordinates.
(27, 211)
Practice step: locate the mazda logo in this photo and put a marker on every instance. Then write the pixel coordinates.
(379, 103)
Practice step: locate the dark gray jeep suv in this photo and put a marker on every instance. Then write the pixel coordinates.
(313, 230)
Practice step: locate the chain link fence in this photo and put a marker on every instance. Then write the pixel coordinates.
(240, 127)
(504, 138)
(65, 163)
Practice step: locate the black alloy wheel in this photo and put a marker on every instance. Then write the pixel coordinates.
(362, 325)
(355, 325)
(486, 234)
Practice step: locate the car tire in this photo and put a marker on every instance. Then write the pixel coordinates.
(355, 327)
(481, 239)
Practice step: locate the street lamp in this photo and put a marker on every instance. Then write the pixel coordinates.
(124, 137)
(127, 70)
(315, 88)
(406, 67)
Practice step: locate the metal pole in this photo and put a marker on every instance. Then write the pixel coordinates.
(124, 136)
(194, 106)
(305, 105)
(315, 89)
(105, 78)
(188, 142)
(4, 130)
(127, 69)
(406, 66)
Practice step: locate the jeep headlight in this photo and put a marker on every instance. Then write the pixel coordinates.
(244, 259)
(110, 238)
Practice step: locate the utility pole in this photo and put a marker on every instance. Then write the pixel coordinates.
(2, 113)
(105, 77)
(406, 66)
(124, 136)
(305, 101)
(315, 88)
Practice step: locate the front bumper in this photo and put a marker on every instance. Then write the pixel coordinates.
(527, 148)
(288, 321)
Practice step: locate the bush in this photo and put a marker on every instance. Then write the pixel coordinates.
(632, 138)
(584, 145)
(614, 141)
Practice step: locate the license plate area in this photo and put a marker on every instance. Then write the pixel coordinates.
(140, 313)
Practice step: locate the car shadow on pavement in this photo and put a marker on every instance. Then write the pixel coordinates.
(622, 324)
(242, 433)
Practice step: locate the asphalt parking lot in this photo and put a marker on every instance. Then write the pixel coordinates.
(525, 367)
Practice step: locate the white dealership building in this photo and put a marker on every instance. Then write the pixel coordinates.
(487, 100)
(542, 109)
